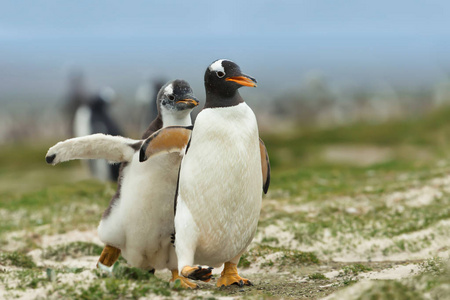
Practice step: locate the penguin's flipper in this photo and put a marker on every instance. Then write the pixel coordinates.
(95, 146)
(265, 164)
(167, 140)
(230, 276)
(197, 273)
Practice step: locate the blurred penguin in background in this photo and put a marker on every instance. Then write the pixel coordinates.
(94, 117)
(145, 97)
(76, 96)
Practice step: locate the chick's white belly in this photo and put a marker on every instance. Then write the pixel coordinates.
(145, 212)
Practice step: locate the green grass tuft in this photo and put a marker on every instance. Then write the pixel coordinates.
(433, 266)
(354, 270)
(75, 249)
(244, 262)
(113, 288)
(287, 258)
(270, 240)
(390, 289)
(125, 272)
(298, 258)
(317, 276)
(16, 259)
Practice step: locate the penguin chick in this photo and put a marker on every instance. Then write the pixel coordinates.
(139, 221)
(219, 187)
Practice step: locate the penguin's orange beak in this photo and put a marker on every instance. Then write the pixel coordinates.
(243, 80)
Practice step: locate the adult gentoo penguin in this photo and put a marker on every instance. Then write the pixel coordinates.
(139, 221)
(223, 171)
(94, 117)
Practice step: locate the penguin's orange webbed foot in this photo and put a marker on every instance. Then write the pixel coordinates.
(230, 276)
(184, 282)
(197, 273)
(109, 256)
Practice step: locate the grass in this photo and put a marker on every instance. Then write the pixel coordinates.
(299, 167)
(28, 278)
(432, 282)
(434, 266)
(55, 209)
(284, 258)
(354, 270)
(329, 206)
(390, 289)
(317, 276)
(120, 271)
(244, 262)
(434, 278)
(16, 259)
(329, 189)
(111, 288)
(73, 250)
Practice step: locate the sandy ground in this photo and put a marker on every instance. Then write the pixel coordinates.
(255, 272)
(289, 282)
(371, 249)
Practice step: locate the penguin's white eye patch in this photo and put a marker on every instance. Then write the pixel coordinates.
(220, 74)
(171, 97)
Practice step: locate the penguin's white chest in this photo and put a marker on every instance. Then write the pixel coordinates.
(148, 192)
(221, 182)
(82, 121)
(141, 224)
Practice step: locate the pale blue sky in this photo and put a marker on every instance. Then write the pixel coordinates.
(124, 19)
(117, 42)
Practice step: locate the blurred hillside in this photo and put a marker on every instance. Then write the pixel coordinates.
(316, 102)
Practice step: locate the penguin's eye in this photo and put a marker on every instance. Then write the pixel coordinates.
(171, 97)
(220, 74)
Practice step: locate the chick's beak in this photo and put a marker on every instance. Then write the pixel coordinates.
(191, 101)
(243, 80)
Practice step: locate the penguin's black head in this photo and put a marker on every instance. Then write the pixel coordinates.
(176, 97)
(224, 77)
